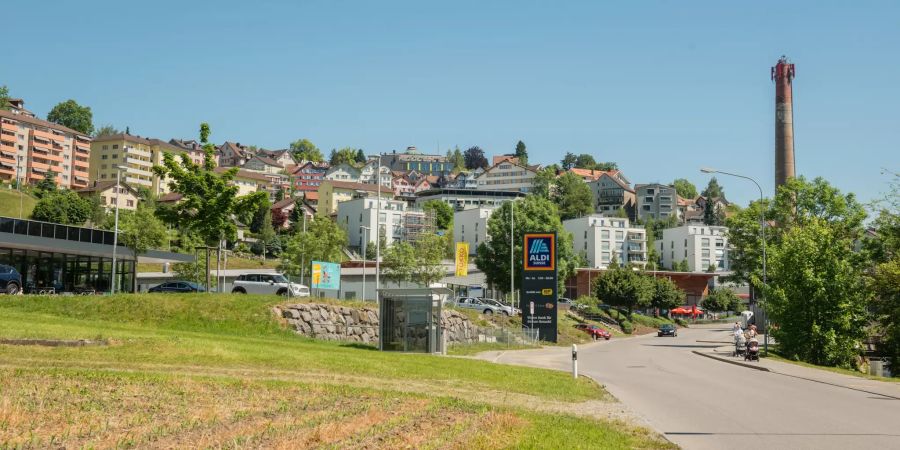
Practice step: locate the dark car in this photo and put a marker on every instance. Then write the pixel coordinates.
(667, 329)
(10, 280)
(178, 286)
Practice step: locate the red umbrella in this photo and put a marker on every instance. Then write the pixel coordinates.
(680, 310)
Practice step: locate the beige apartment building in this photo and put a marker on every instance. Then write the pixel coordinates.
(30, 148)
(136, 155)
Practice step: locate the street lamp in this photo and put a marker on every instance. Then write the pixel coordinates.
(762, 232)
(19, 186)
(366, 231)
(112, 284)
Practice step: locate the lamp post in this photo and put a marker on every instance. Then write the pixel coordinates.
(378, 232)
(512, 256)
(366, 231)
(112, 281)
(19, 186)
(762, 232)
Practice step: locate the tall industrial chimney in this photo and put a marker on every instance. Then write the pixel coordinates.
(783, 76)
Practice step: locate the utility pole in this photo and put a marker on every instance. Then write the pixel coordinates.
(112, 281)
(512, 256)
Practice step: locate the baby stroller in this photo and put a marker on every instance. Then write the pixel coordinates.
(740, 346)
(752, 353)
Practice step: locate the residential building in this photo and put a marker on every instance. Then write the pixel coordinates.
(398, 221)
(589, 175)
(282, 156)
(507, 157)
(247, 181)
(17, 106)
(462, 180)
(604, 240)
(470, 226)
(233, 154)
(656, 201)
(506, 176)
(137, 155)
(125, 195)
(343, 172)
(31, 147)
(333, 192)
(612, 192)
(367, 173)
(263, 164)
(413, 160)
(192, 148)
(308, 176)
(461, 199)
(701, 245)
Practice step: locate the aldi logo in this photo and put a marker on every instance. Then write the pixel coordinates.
(540, 251)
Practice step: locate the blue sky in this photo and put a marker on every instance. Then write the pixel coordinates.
(661, 87)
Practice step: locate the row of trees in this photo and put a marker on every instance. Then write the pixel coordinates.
(628, 288)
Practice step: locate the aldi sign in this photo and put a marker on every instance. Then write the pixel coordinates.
(540, 251)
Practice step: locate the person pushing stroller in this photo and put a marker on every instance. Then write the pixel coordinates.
(740, 341)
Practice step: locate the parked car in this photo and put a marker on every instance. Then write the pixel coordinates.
(593, 330)
(484, 306)
(268, 283)
(504, 308)
(667, 329)
(177, 286)
(10, 280)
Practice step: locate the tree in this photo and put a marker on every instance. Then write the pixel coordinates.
(209, 199)
(665, 293)
(345, 155)
(305, 150)
(457, 159)
(532, 214)
(398, 262)
(279, 218)
(323, 240)
(140, 230)
(885, 283)
(713, 190)
(360, 156)
(816, 295)
(266, 231)
(585, 161)
(257, 216)
(568, 161)
(428, 249)
(544, 183)
(474, 158)
(653, 255)
(106, 130)
(46, 186)
(4, 98)
(70, 114)
(522, 153)
(443, 214)
(62, 206)
(713, 214)
(721, 300)
(685, 188)
(573, 196)
(623, 287)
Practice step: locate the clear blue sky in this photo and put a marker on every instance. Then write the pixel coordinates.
(660, 87)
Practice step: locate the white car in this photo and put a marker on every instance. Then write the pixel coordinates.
(485, 306)
(268, 283)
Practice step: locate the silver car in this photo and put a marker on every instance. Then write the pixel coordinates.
(485, 306)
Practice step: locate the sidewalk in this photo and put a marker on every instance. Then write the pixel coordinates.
(875, 387)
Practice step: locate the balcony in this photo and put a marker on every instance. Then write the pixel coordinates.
(42, 135)
(82, 148)
(79, 173)
(82, 164)
(138, 181)
(8, 150)
(39, 165)
(138, 171)
(10, 127)
(137, 161)
(132, 151)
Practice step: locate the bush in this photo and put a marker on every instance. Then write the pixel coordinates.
(681, 323)
(627, 327)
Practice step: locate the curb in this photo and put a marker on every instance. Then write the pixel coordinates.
(716, 342)
(729, 361)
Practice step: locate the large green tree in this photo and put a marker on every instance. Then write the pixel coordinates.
(305, 150)
(4, 98)
(544, 183)
(457, 159)
(106, 130)
(532, 214)
(522, 153)
(443, 214)
(418, 262)
(346, 155)
(568, 161)
(685, 188)
(721, 300)
(209, 198)
(70, 114)
(62, 206)
(665, 294)
(140, 230)
(573, 196)
(624, 287)
(323, 240)
(713, 189)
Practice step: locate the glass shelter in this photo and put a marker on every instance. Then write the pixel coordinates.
(410, 320)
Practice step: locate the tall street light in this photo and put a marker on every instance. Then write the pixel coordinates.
(762, 232)
(19, 186)
(366, 231)
(112, 284)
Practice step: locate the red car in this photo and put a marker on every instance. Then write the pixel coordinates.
(593, 330)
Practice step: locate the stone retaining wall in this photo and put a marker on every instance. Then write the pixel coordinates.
(342, 323)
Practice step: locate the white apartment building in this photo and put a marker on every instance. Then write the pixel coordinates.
(608, 239)
(398, 221)
(701, 245)
(470, 225)
(367, 173)
(343, 172)
(506, 176)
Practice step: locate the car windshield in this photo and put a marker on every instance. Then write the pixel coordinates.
(667, 327)
(279, 278)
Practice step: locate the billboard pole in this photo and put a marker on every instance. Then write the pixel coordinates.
(512, 253)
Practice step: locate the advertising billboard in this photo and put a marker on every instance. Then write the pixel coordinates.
(539, 285)
(326, 275)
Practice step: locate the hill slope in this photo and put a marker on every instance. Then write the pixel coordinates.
(219, 370)
(9, 203)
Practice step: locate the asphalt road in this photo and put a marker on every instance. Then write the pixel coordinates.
(701, 403)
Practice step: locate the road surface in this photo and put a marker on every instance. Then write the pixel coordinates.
(702, 403)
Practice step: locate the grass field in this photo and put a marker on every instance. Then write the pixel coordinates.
(9, 203)
(774, 355)
(233, 263)
(220, 371)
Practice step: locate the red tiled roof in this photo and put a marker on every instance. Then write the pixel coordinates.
(170, 197)
(284, 203)
(311, 195)
(35, 121)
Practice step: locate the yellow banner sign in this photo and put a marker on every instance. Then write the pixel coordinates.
(462, 259)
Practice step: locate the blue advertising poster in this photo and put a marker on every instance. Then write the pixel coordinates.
(326, 275)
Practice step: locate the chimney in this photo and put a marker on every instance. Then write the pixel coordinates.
(783, 76)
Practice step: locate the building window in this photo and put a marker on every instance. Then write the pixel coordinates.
(704, 253)
(685, 253)
(129, 203)
(704, 242)
(604, 245)
(115, 156)
(115, 146)
(604, 234)
(103, 157)
(648, 199)
(650, 192)
(620, 235)
(646, 208)
(604, 257)
(705, 264)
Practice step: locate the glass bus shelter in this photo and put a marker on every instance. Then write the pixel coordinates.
(410, 320)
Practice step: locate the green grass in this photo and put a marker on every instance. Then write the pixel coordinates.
(775, 356)
(478, 347)
(9, 203)
(234, 262)
(220, 370)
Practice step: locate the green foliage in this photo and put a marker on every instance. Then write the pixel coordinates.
(585, 161)
(46, 186)
(346, 155)
(627, 326)
(532, 214)
(398, 262)
(721, 300)
(323, 240)
(474, 158)
(713, 215)
(443, 214)
(573, 196)
(713, 190)
(418, 262)
(4, 98)
(522, 153)
(209, 198)
(140, 230)
(360, 157)
(568, 161)
(624, 287)
(62, 206)
(70, 114)
(885, 283)
(544, 182)
(666, 294)
(106, 130)
(685, 188)
(816, 295)
(457, 159)
(305, 150)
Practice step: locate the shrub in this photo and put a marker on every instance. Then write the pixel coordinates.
(627, 327)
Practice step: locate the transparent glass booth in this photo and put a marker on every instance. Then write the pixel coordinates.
(410, 320)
